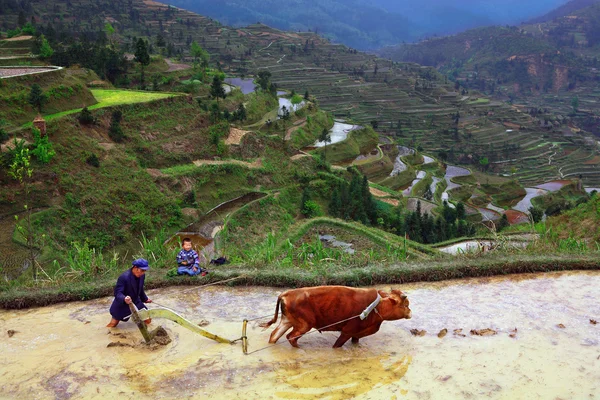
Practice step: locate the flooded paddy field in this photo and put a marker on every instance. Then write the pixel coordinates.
(544, 347)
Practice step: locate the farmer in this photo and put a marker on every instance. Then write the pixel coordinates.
(129, 289)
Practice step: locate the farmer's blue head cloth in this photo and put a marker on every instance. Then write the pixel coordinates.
(141, 264)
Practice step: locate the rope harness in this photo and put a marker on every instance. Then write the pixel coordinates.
(244, 338)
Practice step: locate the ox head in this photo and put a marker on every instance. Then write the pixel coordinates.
(394, 306)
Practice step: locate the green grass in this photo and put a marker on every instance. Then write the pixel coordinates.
(115, 97)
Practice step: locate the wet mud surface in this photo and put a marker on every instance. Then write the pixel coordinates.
(498, 338)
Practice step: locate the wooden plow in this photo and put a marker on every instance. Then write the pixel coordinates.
(139, 316)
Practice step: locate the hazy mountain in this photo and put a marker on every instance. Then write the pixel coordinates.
(566, 9)
(355, 23)
(369, 24)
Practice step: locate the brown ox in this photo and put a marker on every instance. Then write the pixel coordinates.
(335, 308)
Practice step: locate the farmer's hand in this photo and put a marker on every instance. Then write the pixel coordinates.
(194, 269)
(148, 301)
(127, 300)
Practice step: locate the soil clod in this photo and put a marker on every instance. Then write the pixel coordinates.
(118, 344)
(417, 332)
(442, 333)
(160, 337)
(203, 322)
(10, 333)
(561, 326)
(458, 332)
(593, 321)
(483, 332)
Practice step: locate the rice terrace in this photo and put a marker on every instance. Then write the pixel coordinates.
(194, 204)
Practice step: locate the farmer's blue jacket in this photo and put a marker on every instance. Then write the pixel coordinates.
(128, 285)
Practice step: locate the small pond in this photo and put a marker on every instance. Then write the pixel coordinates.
(525, 203)
(452, 172)
(553, 186)
(420, 175)
(338, 133)
(332, 242)
(245, 85)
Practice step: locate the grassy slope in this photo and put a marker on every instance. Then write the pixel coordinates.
(63, 88)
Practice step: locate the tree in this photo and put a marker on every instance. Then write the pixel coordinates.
(503, 223)
(263, 80)
(296, 99)
(216, 88)
(306, 95)
(575, 104)
(142, 56)
(536, 213)
(37, 97)
(21, 20)
(115, 131)
(110, 32)
(43, 150)
(45, 50)
(160, 40)
(484, 162)
(201, 56)
(375, 124)
(460, 211)
(325, 137)
(20, 170)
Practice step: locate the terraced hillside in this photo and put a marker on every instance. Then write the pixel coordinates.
(407, 102)
(543, 64)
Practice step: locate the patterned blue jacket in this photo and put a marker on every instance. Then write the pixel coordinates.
(191, 258)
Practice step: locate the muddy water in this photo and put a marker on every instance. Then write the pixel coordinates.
(338, 133)
(60, 351)
(525, 203)
(245, 85)
(452, 172)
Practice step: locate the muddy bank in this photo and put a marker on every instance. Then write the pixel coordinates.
(426, 271)
(544, 346)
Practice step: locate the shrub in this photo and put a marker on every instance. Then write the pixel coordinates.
(43, 150)
(85, 117)
(311, 209)
(115, 131)
(3, 135)
(93, 160)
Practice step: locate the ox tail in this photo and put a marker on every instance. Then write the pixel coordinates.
(265, 325)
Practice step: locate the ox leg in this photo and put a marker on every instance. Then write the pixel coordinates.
(283, 327)
(341, 340)
(355, 340)
(296, 333)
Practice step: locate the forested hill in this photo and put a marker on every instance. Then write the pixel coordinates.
(356, 23)
(370, 24)
(555, 55)
(562, 11)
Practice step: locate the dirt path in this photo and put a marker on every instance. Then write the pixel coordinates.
(235, 136)
(254, 165)
(17, 39)
(173, 66)
(297, 125)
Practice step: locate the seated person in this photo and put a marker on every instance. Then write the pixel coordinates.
(188, 262)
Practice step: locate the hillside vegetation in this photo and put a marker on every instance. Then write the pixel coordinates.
(179, 156)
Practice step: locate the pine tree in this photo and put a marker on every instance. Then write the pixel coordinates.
(142, 56)
(216, 88)
(37, 98)
(335, 204)
(115, 131)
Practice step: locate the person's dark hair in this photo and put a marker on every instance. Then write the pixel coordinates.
(186, 240)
